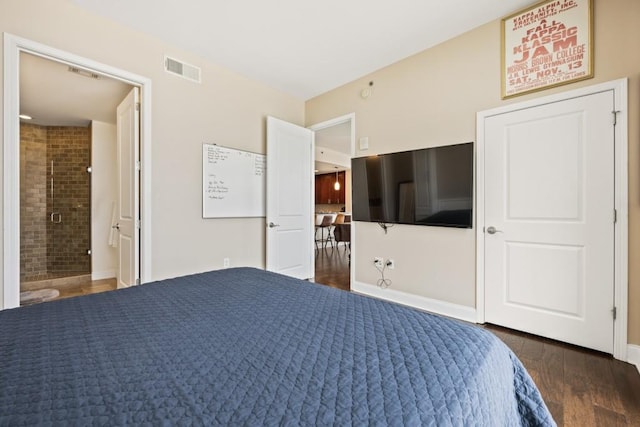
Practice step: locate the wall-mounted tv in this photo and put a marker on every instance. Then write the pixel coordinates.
(430, 186)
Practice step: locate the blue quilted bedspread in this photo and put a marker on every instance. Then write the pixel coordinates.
(247, 347)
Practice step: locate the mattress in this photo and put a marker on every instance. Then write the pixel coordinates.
(247, 347)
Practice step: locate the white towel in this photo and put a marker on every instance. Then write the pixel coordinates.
(113, 238)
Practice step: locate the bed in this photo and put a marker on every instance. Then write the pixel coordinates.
(247, 347)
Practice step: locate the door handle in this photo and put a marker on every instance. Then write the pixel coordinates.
(493, 230)
(272, 225)
(116, 226)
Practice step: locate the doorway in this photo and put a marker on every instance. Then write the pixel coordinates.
(67, 179)
(14, 48)
(334, 148)
(552, 230)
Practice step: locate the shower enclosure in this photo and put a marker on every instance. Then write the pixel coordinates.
(55, 204)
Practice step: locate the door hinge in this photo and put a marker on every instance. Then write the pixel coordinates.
(137, 106)
(614, 312)
(138, 223)
(137, 281)
(615, 116)
(615, 216)
(138, 165)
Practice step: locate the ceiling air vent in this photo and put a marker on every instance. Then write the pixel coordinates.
(85, 73)
(182, 69)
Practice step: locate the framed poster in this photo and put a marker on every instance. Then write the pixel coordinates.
(547, 45)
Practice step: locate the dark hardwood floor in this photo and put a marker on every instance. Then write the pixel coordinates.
(332, 266)
(581, 387)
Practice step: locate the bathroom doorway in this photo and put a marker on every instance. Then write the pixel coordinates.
(14, 47)
(67, 179)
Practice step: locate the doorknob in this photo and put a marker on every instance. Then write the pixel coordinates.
(272, 225)
(116, 226)
(493, 230)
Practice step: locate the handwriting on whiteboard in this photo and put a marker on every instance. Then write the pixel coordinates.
(216, 189)
(233, 182)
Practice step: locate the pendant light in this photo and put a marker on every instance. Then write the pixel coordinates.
(336, 186)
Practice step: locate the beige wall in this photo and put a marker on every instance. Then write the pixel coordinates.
(428, 99)
(227, 109)
(432, 99)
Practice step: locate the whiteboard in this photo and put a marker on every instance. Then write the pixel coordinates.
(233, 183)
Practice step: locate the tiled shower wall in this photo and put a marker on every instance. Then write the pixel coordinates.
(67, 238)
(33, 201)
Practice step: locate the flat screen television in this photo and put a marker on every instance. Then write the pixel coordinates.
(430, 186)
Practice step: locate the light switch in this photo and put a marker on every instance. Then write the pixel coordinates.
(364, 143)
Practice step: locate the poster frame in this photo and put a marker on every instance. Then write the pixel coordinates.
(526, 75)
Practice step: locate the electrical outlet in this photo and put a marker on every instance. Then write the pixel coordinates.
(378, 261)
(391, 264)
(225, 263)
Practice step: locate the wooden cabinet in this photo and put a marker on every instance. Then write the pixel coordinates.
(326, 194)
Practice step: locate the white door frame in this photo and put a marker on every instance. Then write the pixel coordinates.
(13, 46)
(621, 279)
(351, 118)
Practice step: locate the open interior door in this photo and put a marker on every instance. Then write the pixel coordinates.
(128, 157)
(549, 216)
(289, 199)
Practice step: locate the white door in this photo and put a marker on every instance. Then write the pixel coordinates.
(549, 196)
(289, 199)
(128, 190)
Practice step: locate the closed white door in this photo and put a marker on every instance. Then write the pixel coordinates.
(289, 199)
(128, 155)
(549, 220)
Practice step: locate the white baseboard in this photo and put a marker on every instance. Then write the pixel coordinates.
(633, 355)
(99, 275)
(462, 312)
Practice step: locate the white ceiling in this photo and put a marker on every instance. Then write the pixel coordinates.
(322, 167)
(302, 47)
(53, 96)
